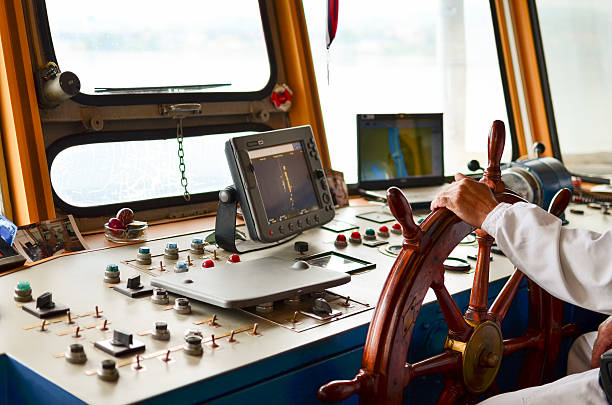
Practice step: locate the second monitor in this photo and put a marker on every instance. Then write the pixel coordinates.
(399, 150)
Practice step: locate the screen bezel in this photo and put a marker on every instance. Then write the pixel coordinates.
(250, 197)
(402, 182)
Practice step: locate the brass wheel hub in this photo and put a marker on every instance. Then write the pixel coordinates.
(482, 355)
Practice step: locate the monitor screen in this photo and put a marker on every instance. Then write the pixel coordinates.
(399, 146)
(283, 177)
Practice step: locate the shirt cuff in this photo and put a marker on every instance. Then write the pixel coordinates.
(492, 221)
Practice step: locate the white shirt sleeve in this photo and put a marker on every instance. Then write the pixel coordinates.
(574, 265)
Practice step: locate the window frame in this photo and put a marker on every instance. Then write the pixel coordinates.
(544, 82)
(88, 138)
(515, 155)
(163, 98)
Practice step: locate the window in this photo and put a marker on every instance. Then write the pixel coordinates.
(398, 56)
(576, 40)
(154, 46)
(99, 174)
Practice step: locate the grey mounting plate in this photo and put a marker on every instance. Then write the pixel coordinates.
(250, 283)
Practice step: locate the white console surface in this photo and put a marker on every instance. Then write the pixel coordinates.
(77, 281)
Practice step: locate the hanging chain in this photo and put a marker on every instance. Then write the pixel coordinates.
(178, 112)
(181, 155)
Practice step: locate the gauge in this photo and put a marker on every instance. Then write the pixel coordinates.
(520, 180)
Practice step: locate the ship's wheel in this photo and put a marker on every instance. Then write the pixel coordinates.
(474, 348)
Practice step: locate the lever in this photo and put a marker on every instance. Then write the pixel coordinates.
(539, 149)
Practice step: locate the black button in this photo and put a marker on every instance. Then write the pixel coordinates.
(316, 218)
(299, 223)
(307, 220)
(324, 184)
(281, 229)
(290, 226)
(326, 198)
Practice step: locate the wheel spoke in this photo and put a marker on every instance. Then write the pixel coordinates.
(502, 303)
(477, 311)
(457, 326)
(440, 363)
(452, 391)
(529, 340)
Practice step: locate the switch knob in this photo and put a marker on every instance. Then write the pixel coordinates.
(383, 232)
(300, 246)
(75, 354)
(355, 237)
(111, 275)
(340, 241)
(108, 370)
(144, 255)
(369, 234)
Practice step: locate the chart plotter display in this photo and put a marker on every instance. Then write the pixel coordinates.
(281, 171)
(280, 182)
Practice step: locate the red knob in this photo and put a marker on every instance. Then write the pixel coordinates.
(341, 238)
(208, 264)
(355, 235)
(384, 229)
(397, 226)
(234, 259)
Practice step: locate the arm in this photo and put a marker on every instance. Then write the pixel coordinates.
(574, 265)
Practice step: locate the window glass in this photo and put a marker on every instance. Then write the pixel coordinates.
(114, 172)
(116, 44)
(399, 56)
(576, 36)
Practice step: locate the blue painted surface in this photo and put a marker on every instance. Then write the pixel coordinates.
(272, 369)
(20, 385)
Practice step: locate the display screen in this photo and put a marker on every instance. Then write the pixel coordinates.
(399, 146)
(283, 179)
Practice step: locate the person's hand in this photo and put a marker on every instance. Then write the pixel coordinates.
(603, 342)
(468, 199)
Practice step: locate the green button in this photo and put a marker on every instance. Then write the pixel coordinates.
(370, 231)
(23, 286)
(112, 267)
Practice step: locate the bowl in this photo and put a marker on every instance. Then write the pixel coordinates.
(135, 231)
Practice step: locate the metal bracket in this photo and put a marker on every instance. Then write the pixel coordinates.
(178, 111)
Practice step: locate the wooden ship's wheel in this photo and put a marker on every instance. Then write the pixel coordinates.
(474, 348)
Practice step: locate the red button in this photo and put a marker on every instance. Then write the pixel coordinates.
(397, 226)
(356, 235)
(341, 238)
(208, 264)
(384, 229)
(234, 259)
(271, 233)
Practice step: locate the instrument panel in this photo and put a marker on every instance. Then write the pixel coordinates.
(205, 352)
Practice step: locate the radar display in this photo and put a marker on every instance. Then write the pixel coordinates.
(284, 181)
